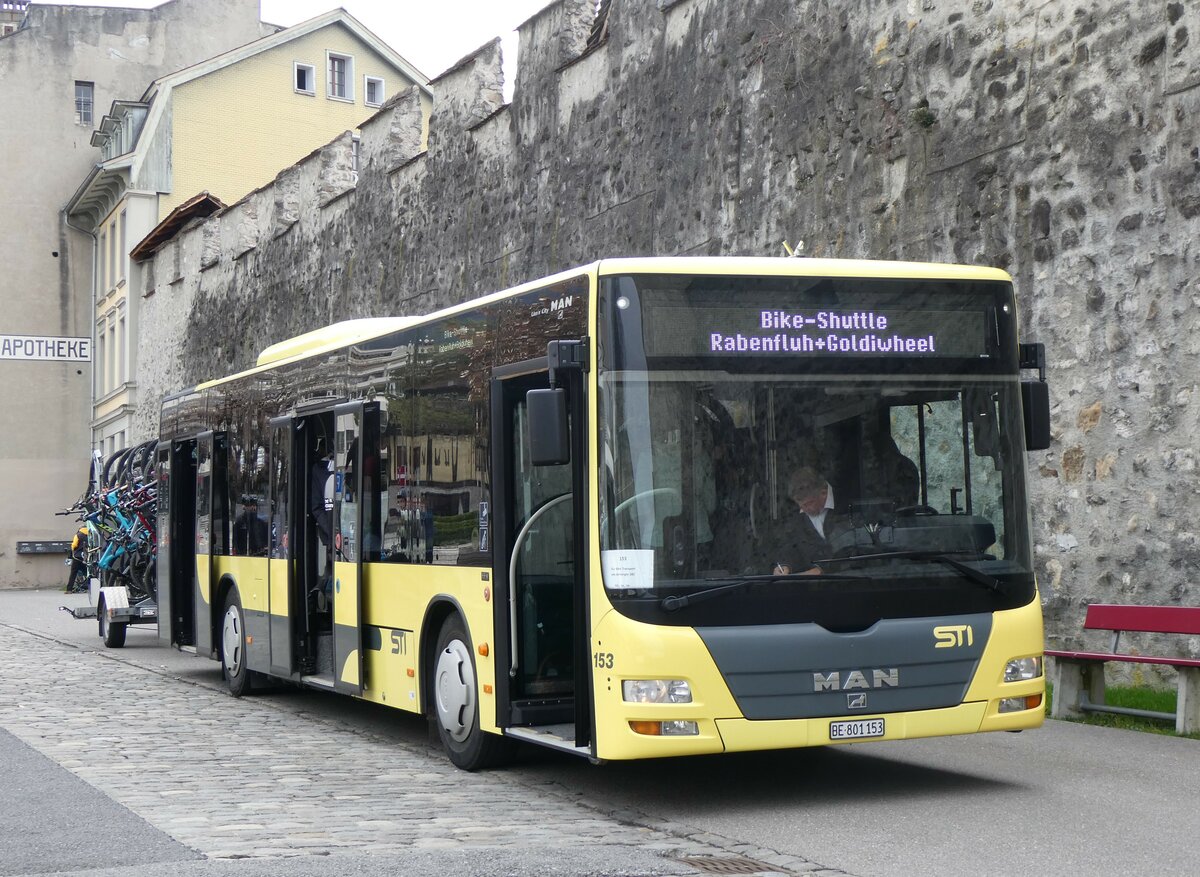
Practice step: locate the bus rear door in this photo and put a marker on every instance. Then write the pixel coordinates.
(281, 572)
(211, 529)
(176, 474)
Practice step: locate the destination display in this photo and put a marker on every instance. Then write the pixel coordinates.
(709, 330)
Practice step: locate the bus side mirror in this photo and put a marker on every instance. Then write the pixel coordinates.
(549, 439)
(1035, 404)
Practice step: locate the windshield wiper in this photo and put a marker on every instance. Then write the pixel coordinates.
(727, 586)
(979, 578)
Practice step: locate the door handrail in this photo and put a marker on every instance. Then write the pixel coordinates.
(512, 576)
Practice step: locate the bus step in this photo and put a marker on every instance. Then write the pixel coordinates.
(325, 654)
(324, 682)
(561, 737)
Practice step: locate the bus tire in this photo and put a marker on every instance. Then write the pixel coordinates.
(455, 702)
(233, 646)
(112, 632)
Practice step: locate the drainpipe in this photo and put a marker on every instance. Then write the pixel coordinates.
(91, 320)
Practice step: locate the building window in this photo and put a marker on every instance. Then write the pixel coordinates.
(101, 361)
(6, 29)
(112, 255)
(102, 265)
(84, 93)
(341, 77)
(111, 366)
(123, 343)
(305, 80)
(121, 254)
(372, 91)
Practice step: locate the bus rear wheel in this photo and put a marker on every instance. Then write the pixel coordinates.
(233, 646)
(455, 695)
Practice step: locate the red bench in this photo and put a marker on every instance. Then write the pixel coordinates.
(1078, 677)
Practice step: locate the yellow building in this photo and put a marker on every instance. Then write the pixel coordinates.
(223, 127)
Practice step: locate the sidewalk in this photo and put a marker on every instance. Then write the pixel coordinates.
(264, 777)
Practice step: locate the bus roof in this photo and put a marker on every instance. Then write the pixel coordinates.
(347, 332)
(798, 267)
(332, 337)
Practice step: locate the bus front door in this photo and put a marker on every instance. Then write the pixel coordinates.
(541, 621)
(355, 534)
(211, 529)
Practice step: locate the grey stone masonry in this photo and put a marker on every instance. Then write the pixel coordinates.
(1050, 138)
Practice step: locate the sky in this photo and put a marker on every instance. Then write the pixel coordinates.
(429, 34)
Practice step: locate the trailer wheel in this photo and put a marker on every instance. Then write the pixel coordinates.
(112, 632)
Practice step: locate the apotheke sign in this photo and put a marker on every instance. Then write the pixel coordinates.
(44, 347)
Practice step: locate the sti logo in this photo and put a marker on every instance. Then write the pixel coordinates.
(953, 636)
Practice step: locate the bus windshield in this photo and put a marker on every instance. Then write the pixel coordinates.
(810, 449)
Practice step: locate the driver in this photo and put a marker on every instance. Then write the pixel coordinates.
(812, 527)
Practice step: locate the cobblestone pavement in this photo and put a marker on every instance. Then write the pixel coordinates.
(259, 778)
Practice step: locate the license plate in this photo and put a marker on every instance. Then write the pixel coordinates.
(856, 729)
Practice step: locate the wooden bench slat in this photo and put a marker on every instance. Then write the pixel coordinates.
(1134, 659)
(1143, 619)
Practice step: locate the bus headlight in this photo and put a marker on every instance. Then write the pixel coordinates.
(656, 691)
(1021, 669)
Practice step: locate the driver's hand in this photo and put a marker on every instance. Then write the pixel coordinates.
(782, 569)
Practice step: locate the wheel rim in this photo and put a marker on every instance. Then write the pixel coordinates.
(454, 684)
(231, 642)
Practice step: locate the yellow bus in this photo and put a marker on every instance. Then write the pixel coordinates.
(647, 507)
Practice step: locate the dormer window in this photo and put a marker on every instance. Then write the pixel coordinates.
(304, 78)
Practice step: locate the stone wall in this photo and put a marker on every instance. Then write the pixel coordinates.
(1051, 139)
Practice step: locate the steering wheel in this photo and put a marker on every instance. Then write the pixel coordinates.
(626, 504)
(913, 511)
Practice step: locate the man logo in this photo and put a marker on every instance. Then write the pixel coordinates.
(888, 677)
(953, 636)
(856, 701)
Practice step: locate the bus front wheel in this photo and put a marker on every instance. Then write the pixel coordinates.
(455, 696)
